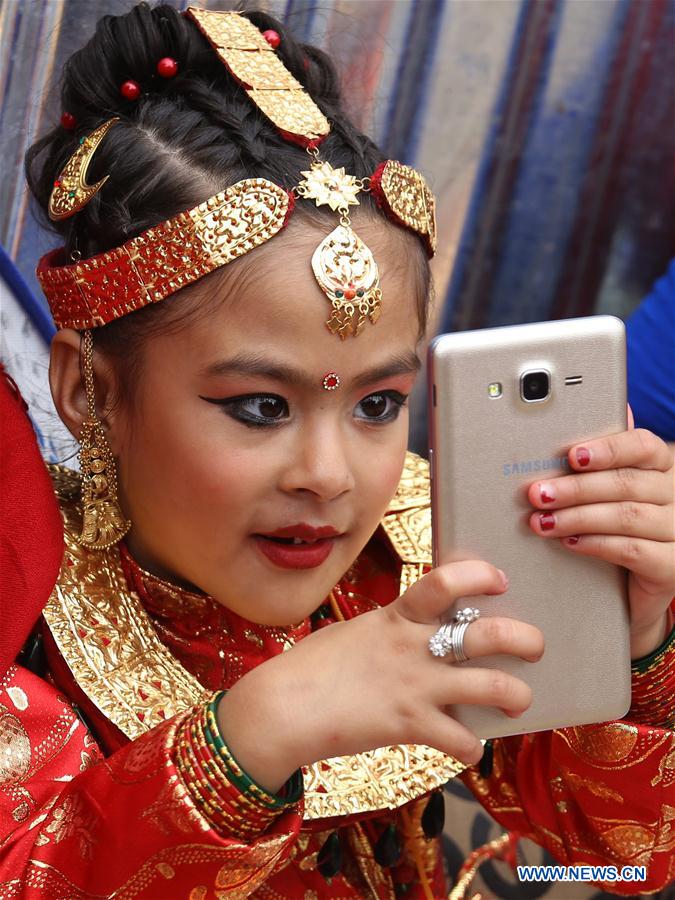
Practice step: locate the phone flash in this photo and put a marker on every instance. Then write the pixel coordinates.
(495, 389)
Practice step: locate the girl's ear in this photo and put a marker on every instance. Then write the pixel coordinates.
(67, 384)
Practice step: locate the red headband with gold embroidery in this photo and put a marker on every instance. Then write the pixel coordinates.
(181, 250)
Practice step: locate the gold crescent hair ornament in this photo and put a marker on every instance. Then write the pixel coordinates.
(71, 191)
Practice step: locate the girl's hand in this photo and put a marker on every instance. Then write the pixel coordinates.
(372, 682)
(619, 508)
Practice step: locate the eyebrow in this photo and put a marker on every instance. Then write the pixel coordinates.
(248, 364)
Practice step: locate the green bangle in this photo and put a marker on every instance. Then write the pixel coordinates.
(644, 663)
(218, 746)
(292, 788)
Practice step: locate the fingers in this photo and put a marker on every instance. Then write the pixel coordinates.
(618, 508)
(648, 559)
(493, 635)
(637, 448)
(427, 600)
(646, 486)
(627, 518)
(447, 735)
(485, 687)
(482, 687)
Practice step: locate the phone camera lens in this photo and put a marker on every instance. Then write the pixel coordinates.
(535, 386)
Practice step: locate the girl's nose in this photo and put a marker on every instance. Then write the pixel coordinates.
(321, 464)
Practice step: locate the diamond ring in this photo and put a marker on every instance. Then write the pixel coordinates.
(449, 639)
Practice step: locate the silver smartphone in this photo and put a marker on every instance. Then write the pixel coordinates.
(506, 404)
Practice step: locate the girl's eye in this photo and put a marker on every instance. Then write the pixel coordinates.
(382, 407)
(254, 409)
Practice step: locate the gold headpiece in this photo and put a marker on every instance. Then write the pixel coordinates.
(177, 252)
(343, 266)
(256, 66)
(165, 258)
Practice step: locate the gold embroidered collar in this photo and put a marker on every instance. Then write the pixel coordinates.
(111, 647)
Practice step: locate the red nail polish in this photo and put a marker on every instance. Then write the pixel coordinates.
(583, 456)
(573, 539)
(546, 521)
(546, 493)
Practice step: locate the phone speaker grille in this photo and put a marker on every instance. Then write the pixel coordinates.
(574, 379)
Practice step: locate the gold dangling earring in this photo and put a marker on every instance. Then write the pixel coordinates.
(103, 523)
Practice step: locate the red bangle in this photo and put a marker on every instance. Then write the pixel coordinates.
(213, 789)
(653, 687)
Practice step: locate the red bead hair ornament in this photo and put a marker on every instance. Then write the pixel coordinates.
(167, 67)
(68, 121)
(130, 90)
(272, 38)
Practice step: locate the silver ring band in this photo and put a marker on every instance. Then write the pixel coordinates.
(457, 641)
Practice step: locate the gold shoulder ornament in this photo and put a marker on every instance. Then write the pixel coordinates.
(110, 645)
(407, 522)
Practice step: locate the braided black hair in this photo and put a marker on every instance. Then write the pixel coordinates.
(184, 139)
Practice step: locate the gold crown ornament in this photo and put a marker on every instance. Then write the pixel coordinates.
(342, 264)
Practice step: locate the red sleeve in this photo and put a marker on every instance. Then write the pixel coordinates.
(74, 824)
(596, 794)
(31, 531)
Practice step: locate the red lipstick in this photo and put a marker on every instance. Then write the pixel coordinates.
(307, 533)
(298, 546)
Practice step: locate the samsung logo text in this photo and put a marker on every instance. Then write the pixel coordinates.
(527, 466)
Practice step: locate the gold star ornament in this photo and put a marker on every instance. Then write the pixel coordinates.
(328, 186)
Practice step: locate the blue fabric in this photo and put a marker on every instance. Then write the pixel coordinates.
(651, 358)
(25, 297)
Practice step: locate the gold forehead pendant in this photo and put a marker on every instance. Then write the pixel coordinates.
(342, 264)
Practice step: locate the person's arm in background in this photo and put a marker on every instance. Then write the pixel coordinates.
(650, 338)
(650, 333)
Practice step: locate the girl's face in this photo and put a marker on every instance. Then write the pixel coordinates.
(233, 451)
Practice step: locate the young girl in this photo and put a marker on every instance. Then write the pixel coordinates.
(237, 695)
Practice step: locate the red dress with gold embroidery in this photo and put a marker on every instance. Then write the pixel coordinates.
(105, 808)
